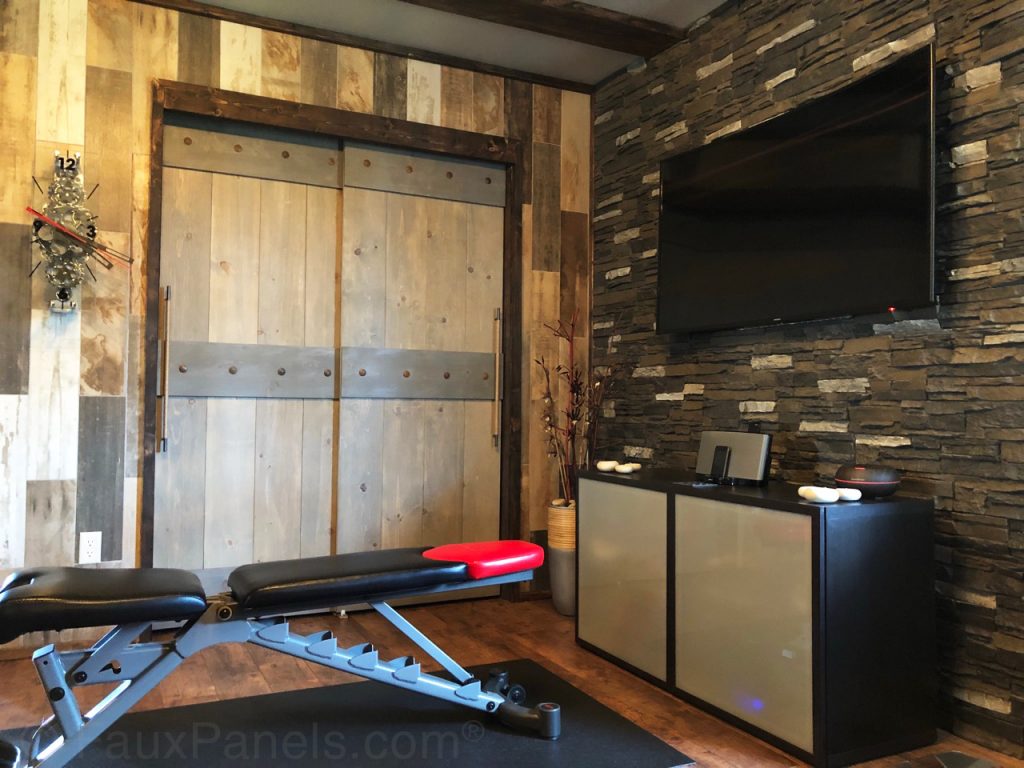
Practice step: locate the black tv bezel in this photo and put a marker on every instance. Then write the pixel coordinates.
(846, 313)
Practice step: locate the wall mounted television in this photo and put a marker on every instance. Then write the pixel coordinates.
(826, 211)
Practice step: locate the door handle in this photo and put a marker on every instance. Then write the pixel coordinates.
(165, 370)
(496, 403)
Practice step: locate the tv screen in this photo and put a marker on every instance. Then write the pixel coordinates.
(825, 211)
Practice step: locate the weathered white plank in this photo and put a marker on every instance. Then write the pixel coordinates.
(60, 99)
(13, 478)
(53, 383)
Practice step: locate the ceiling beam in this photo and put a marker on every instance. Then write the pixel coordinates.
(570, 20)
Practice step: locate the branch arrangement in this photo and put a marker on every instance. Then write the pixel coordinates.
(571, 428)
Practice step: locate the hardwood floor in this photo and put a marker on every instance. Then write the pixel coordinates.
(477, 632)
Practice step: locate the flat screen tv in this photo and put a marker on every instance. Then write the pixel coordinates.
(825, 211)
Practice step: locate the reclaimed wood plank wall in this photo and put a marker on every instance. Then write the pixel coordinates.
(76, 75)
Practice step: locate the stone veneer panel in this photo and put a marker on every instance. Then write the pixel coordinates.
(941, 399)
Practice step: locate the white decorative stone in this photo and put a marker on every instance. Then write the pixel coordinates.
(671, 132)
(757, 406)
(914, 40)
(979, 77)
(656, 89)
(962, 595)
(627, 137)
(626, 235)
(780, 78)
(883, 441)
(614, 213)
(604, 324)
(612, 341)
(824, 426)
(713, 67)
(858, 386)
(797, 30)
(649, 372)
(974, 273)
(984, 700)
(652, 178)
(638, 452)
(1004, 338)
(724, 131)
(615, 274)
(610, 201)
(688, 390)
(769, 362)
(604, 117)
(650, 254)
(973, 152)
(907, 328)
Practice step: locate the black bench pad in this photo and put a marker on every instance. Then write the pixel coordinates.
(40, 599)
(325, 582)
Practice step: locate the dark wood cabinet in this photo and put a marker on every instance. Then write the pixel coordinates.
(809, 625)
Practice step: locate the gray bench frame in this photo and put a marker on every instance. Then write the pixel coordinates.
(138, 666)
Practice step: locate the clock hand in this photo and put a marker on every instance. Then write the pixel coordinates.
(92, 245)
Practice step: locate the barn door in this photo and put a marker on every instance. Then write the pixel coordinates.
(331, 365)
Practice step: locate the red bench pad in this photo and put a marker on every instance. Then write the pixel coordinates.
(485, 559)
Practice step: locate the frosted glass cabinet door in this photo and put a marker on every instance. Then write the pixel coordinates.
(623, 573)
(743, 613)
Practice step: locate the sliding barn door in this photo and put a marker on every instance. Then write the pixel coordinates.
(331, 368)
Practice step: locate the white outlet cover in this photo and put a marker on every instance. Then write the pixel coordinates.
(90, 547)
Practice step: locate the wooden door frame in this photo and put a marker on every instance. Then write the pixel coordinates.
(342, 124)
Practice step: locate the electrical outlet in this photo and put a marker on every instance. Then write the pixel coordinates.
(90, 547)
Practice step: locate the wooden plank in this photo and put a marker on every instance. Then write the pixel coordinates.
(423, 94)
(391, 132)
(390, 90)
(320, 419)
(13, 477)
(546, 207)
(413, 173)
(547, 114)
(17, 135)
(519, 124)
(364, 269)
(582, 22)
(444, 424)
(545, 287)
(403, 456)
(457, 98)
(19, 27)
(16, 260)
(108, 156)
(319, 73)
(360, 476)
(53, 383)
(109, 35)
(241, 57)
(575, 152)
(280, 69)
(198, 50)
(60, 99)
(100, 487)
(104, 309)
(356, 79)
(250, 156)
(154, 56)
(488, 104)
(179, 498)
(277, 511)
(575, 272)
(231, 424)
(130, 524)
(481, 458)
(50, 523)
(371, 46)
(443, 254)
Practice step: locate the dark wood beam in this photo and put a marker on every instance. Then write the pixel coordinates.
(354, 41)
(570, 20)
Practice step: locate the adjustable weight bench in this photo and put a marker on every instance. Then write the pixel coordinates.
(252, 611)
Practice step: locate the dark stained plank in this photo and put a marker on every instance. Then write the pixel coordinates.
(519, 126)
(547, 114)
(390, 86)
(546, 207)
(248, 19)
(19, 27)
(569, 20)
(319, 72)
(101, 471)
(198, 50)
(575, 265)
(16, 260)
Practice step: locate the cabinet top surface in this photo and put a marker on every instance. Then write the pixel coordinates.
(774, 494)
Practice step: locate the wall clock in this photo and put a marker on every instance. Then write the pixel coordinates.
(65, 232)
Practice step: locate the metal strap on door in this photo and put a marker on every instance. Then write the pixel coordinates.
(207, 369)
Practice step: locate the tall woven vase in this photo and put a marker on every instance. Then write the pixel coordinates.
(562, 557)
